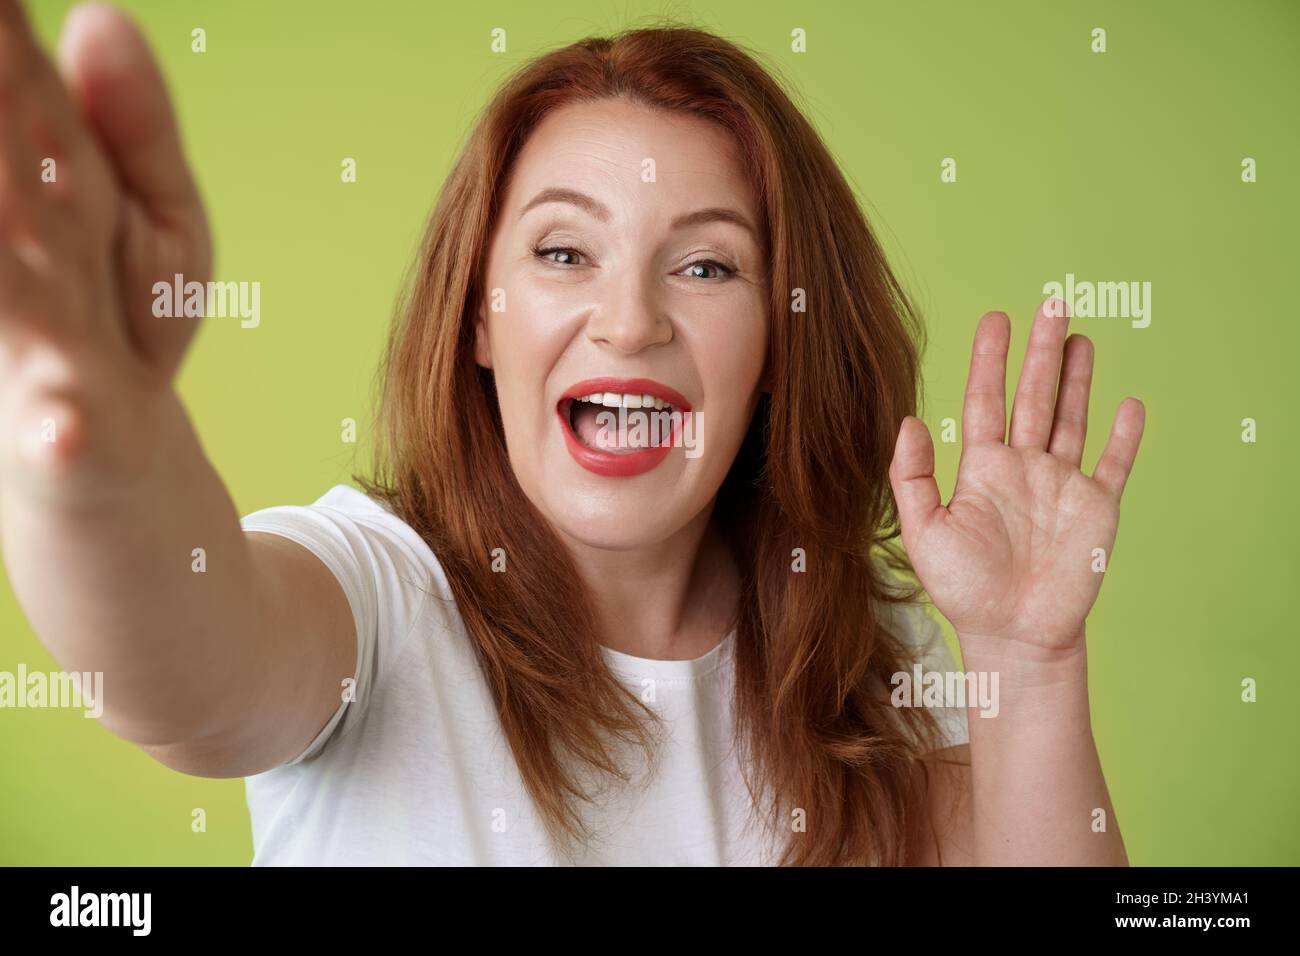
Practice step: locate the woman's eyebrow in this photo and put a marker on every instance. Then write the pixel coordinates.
(599, 210)
(558, 194)
(714, 214)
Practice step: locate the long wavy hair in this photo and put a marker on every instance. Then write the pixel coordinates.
(819, 738)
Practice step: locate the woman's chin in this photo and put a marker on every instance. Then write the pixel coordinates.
(613, 524)
(614, 512)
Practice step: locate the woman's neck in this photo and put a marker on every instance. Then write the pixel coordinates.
(674, 600)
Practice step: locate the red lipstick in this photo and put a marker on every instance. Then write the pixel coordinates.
(608, 464)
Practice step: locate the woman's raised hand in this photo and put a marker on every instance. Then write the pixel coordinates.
(1014, 557)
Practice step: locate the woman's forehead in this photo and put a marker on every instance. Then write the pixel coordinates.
(615, 150)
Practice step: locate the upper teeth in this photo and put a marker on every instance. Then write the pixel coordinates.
(617, 400)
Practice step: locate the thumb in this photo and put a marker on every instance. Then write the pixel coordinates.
(912, 475)
(111, 74)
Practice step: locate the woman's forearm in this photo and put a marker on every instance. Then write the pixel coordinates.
(1039, 795)
(144, 576)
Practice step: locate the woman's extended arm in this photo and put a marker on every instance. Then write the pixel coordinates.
(1015, 561)
(222, 663)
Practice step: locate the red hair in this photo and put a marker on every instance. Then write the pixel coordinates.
(813, 660)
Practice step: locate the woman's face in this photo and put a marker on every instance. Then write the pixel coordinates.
(625, 272)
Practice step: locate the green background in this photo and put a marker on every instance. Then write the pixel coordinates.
(1117, 166)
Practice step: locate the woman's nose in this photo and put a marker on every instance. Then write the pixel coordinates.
(629, 319)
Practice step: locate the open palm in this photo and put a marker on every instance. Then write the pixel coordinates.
(1017, 552)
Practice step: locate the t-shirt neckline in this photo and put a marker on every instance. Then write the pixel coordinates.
(627, 665)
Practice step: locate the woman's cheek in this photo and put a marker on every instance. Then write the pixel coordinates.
(732, 352)
(529, 325)
(519, 339)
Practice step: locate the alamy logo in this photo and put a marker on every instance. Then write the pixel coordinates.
(103, 909)
(946, 689)
(651, 428)
(1104, 300)
(217, 300)
(76, 690)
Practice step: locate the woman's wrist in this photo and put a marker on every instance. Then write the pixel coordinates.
(1026, 667)
(1040, 703)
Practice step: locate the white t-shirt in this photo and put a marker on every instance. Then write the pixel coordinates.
(416, 769)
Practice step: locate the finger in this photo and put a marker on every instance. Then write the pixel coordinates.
(984, 413)
(25, 262)
(1070, 427)
(20, 170)
(163, 231)
(73, 195)
(116, 83)
(60, 130)
(912, 475)
(1116, 461)
(1035, 401)
(44, 240)
(13, 22)
(20, 300)
(18, 55)
(35, 223)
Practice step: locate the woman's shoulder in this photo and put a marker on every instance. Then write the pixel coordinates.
(353, 501)
(349, 512)
(385, 567)
(356, 505)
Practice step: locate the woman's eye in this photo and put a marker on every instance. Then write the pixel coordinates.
(707, 269)
(549, 255)
(566, 256)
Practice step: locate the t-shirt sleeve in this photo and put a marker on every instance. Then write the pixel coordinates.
(378, 561)
(918, 630)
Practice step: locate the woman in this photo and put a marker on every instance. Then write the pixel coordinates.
(544, 634)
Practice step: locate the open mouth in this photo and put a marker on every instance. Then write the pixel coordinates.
(620, 427)
(620, 423)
